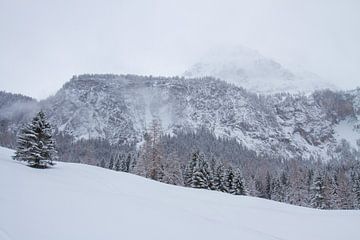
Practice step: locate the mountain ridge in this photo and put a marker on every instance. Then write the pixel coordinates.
(121, 107)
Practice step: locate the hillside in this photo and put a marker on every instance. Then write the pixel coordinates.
(74, 201)
(120, 108)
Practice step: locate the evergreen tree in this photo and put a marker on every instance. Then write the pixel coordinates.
(277, 190)
(335, 200)
(268, 185)
(102, 163)
(111, 163)
(218, 178)
(229, 180)
(117, 164)
(201, 175)
(239, 185)
(35, 143)
(318, 192)
(125, 164)
(133, 164)
(285, 185)
(189, 170)
(356, 190)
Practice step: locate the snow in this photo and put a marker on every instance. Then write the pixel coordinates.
(345, 129)
(75, 201)
(249, 69)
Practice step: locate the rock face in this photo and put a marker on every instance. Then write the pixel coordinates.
(249, 69)
(121, 107)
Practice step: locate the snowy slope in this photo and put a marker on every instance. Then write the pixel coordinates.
(247, 68)
(74, 201)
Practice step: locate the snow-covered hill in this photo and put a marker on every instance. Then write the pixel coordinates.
(74, 201)
(249, 69)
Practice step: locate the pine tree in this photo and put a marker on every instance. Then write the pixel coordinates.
(201, 175)
(35, 143)
(189, 170)
(268, 185)
(277, 190)
(229, 180)
(117, 164)
(218, 178)
(102, 163)
(133, 164)
(125, 164)
(335, 200)
(318, 192)
(239, 185)
(111, 163)
(356, 190)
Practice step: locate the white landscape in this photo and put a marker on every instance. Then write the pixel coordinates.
(77, 201)
(180, 120)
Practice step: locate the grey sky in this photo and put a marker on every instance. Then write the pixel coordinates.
(44, 43)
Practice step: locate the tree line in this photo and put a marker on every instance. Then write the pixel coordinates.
(202, 160)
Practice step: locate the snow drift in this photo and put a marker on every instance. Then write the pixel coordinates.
(74, 201)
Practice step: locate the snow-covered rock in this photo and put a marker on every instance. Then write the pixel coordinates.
(120, 108)
(75, 201)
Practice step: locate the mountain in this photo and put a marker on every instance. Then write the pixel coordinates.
(249, 69)
(120, 108)
(14, 105)
(75, 201)
(15, 110)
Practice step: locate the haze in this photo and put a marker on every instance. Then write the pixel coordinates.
(44, 43)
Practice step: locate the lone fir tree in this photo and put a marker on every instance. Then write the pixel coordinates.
(35, 143)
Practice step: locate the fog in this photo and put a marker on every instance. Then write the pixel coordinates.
(44, 43)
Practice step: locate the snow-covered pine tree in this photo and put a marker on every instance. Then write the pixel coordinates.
(285, 184)
(117, 164)
(277, 190)
(35, 143)
(238, 185)
(347, 198)
(111, 163)
(335, 201)
(268, 182)
(201, 177)
(318, 192)
(125, 163)
(355, 179)
(229, 180)
(133, 163)
(356, 190)
(102, 163)
(218, 178)
(189, 169)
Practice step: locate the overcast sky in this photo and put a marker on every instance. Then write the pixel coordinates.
(43, 43)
